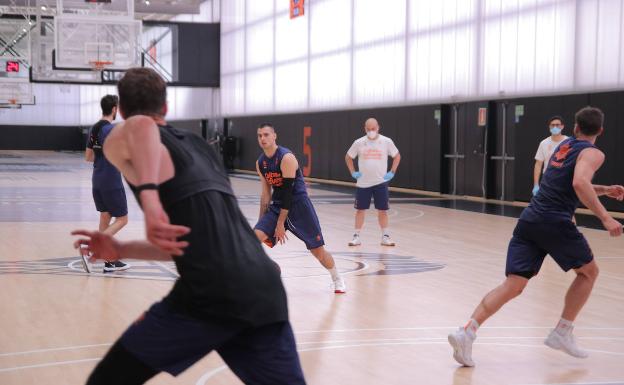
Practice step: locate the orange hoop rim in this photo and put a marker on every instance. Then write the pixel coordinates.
(99, 65)
(12, 101)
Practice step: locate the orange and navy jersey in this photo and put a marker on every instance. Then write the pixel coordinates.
(556, 200)
(270, 168)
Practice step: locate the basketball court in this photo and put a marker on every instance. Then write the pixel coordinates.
(466, 125)
(390, 328)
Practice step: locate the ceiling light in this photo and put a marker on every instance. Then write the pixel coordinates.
(43, 8)
(147, 2)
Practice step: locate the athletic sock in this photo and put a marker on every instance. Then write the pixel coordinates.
(471, 328)
(334, 273)
(357, 232)
(564, 327)
(384, 231)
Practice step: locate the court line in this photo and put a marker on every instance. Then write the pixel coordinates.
(447, 328)
(348, 330)
(167, 268)
(203, 379)
(614, 382)
(56, 363)
(391, 342)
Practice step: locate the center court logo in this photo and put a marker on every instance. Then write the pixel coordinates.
(359, 264)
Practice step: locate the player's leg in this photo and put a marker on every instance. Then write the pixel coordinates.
(304, 224)
(327, 260)
(120, 367)
(381, 196)
(580, 290)
(163, 339)
(265, 355)
(524, 260)
(570, 242)
(105, 219)
(265, 228)
(362, 203)
(117, 207)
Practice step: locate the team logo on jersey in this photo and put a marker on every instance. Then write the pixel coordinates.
(560, 156)
(274, 178)
(264, 164)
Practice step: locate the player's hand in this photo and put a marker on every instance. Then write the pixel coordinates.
(97, 245)
(356, 175)
(280, 233)
(158, 230)
(615, 192)
(613, 227)
(535, 190)
(389, 175)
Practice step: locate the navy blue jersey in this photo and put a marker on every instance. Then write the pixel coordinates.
(272, 172)
(105, 175)
(556, 200)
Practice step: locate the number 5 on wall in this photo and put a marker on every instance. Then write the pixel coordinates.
(307, 150)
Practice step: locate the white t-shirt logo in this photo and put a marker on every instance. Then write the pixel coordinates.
(372, 159)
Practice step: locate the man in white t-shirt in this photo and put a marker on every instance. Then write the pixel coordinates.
(547, 148)
(372, 151)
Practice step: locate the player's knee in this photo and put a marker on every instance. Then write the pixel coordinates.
(318, 252)
(589, 271)
(122, 220)
(260, 235)
(515, 286)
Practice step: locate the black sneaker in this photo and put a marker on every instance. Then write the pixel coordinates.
(115, 266)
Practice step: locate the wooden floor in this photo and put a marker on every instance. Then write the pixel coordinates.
(56, 322)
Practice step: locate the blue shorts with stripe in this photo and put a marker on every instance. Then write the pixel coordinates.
(301, 221)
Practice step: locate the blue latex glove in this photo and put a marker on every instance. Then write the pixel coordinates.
(356, 175)
(389, 175)
(535, 190)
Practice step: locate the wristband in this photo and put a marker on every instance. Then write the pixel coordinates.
(146, 186)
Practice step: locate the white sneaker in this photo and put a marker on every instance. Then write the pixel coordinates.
(355, 241)
(339, 286)
(386, 241)
(566, 343)
(85, 255)
(461, 342)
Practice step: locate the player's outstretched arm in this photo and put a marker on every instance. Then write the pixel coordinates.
(288, 166)
(587, 163)
(613, 191)
(265, 197)
(134, 147)
(104, 246)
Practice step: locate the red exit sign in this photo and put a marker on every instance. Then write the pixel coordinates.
(12, 66)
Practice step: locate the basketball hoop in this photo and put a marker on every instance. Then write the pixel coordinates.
(13, 101)
(98, 65)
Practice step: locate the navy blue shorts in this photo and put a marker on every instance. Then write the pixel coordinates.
(378, 192)
(169, 341)
(111, 201)
(301, 221)
(532, 241)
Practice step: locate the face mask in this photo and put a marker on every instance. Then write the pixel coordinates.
(371, 134)
(555, 130)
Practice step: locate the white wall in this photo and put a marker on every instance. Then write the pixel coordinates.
(57, 105)
(79, 105)
(352, 53)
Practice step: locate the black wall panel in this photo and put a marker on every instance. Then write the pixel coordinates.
(41, 138)
(199, 50)
(414, 130)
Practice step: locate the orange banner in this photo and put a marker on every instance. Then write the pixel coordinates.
(296, 8)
